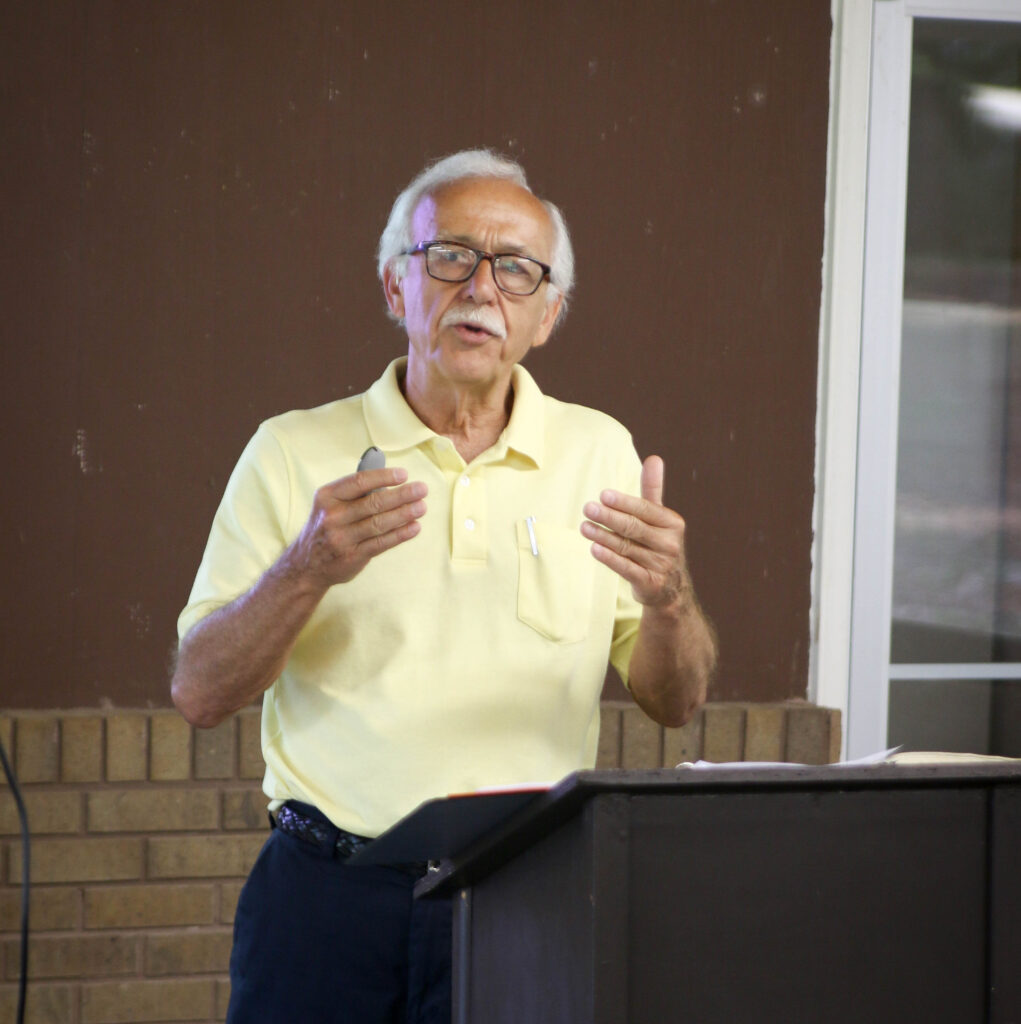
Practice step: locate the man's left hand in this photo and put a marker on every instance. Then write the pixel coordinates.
(641, 539)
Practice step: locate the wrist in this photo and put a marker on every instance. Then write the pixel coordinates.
(300, 582)
(675, 601)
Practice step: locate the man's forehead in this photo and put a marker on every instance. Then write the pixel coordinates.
(465, 210)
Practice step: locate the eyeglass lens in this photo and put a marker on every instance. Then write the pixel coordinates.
(518, 275)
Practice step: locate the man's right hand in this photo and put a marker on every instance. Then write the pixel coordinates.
(353, 520)
(232, 655)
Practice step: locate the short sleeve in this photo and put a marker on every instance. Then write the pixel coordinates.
(249, 530)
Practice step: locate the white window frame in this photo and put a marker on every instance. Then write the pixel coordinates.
(859, 355)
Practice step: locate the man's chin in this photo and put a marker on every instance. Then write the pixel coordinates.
(474, 364)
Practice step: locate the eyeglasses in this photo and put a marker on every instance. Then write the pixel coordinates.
(451, 261)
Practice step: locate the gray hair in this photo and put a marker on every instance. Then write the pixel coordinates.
(471, 163)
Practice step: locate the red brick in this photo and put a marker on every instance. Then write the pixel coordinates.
(203, 856)
(50, 812)
(191, 952)
(81, 748)
(250, 762)
(245, 809)
(723, 736)
(230, 893)
(809, 739)
(76, 956)
(683, 744)
(216, 751)
(608, 753)
(171, 747)
(81, 860)
(140, 1002)
(37, 749)
(149, 906)
(45, 1003)
(222, 999)
(641, 745)
(152, 810)
(50, 909)
(765, 732)
(127, 747)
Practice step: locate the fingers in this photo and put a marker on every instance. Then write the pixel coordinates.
(655, 570)
(347, 488)
(656, 550)
(376, 544)
(638, 537)
(638, 575)
(363, 495)
(378, 514)
(356, 518)
(630, 516)
(652, 479)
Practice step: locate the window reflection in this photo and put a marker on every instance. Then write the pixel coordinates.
(957, 568)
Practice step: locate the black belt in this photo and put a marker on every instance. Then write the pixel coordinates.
(294, 819)
(309, 824)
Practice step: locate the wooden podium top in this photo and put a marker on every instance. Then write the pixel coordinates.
(469, 836)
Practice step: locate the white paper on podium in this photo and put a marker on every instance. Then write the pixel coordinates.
(877, 758)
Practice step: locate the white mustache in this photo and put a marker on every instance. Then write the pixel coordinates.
(478, 316)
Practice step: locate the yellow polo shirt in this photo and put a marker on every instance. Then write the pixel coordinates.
(461, 659)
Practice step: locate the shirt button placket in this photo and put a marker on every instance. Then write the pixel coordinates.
(467, 519)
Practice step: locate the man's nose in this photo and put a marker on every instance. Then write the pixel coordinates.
(481, 286)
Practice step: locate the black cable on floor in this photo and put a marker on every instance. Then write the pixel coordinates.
(25, 880)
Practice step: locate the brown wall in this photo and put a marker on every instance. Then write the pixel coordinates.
(192, 194)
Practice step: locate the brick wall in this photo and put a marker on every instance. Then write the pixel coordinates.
(144, 829)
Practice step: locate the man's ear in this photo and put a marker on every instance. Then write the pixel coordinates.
(393, 292)
(548, 321)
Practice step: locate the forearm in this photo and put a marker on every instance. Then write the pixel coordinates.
(229, 658)
(673, 660)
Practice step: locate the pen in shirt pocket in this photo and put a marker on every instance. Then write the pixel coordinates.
(530, 526)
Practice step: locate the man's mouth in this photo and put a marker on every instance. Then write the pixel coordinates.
(474, 331)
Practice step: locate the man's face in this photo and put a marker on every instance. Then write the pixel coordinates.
(442, 318)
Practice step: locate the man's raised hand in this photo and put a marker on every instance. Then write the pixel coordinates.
(352, 520)
(641, 539)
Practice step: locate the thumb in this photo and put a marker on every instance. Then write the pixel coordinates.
(652, 479)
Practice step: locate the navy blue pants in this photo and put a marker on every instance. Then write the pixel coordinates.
(319, 942)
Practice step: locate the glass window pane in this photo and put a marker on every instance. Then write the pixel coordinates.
(957, 563)
(978, 716)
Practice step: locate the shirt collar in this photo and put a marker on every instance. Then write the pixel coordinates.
(525, 433)
(393, 425)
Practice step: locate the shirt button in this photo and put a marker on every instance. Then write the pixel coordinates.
(469, 524)
(465, 481)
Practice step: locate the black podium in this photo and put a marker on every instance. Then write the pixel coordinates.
(840, 894)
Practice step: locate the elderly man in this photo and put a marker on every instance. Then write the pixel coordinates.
(435, 625)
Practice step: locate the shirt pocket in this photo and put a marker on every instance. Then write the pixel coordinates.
(555, 585)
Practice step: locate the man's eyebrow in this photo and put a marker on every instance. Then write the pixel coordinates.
(510, 248)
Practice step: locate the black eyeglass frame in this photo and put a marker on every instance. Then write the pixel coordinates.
(480, 255)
